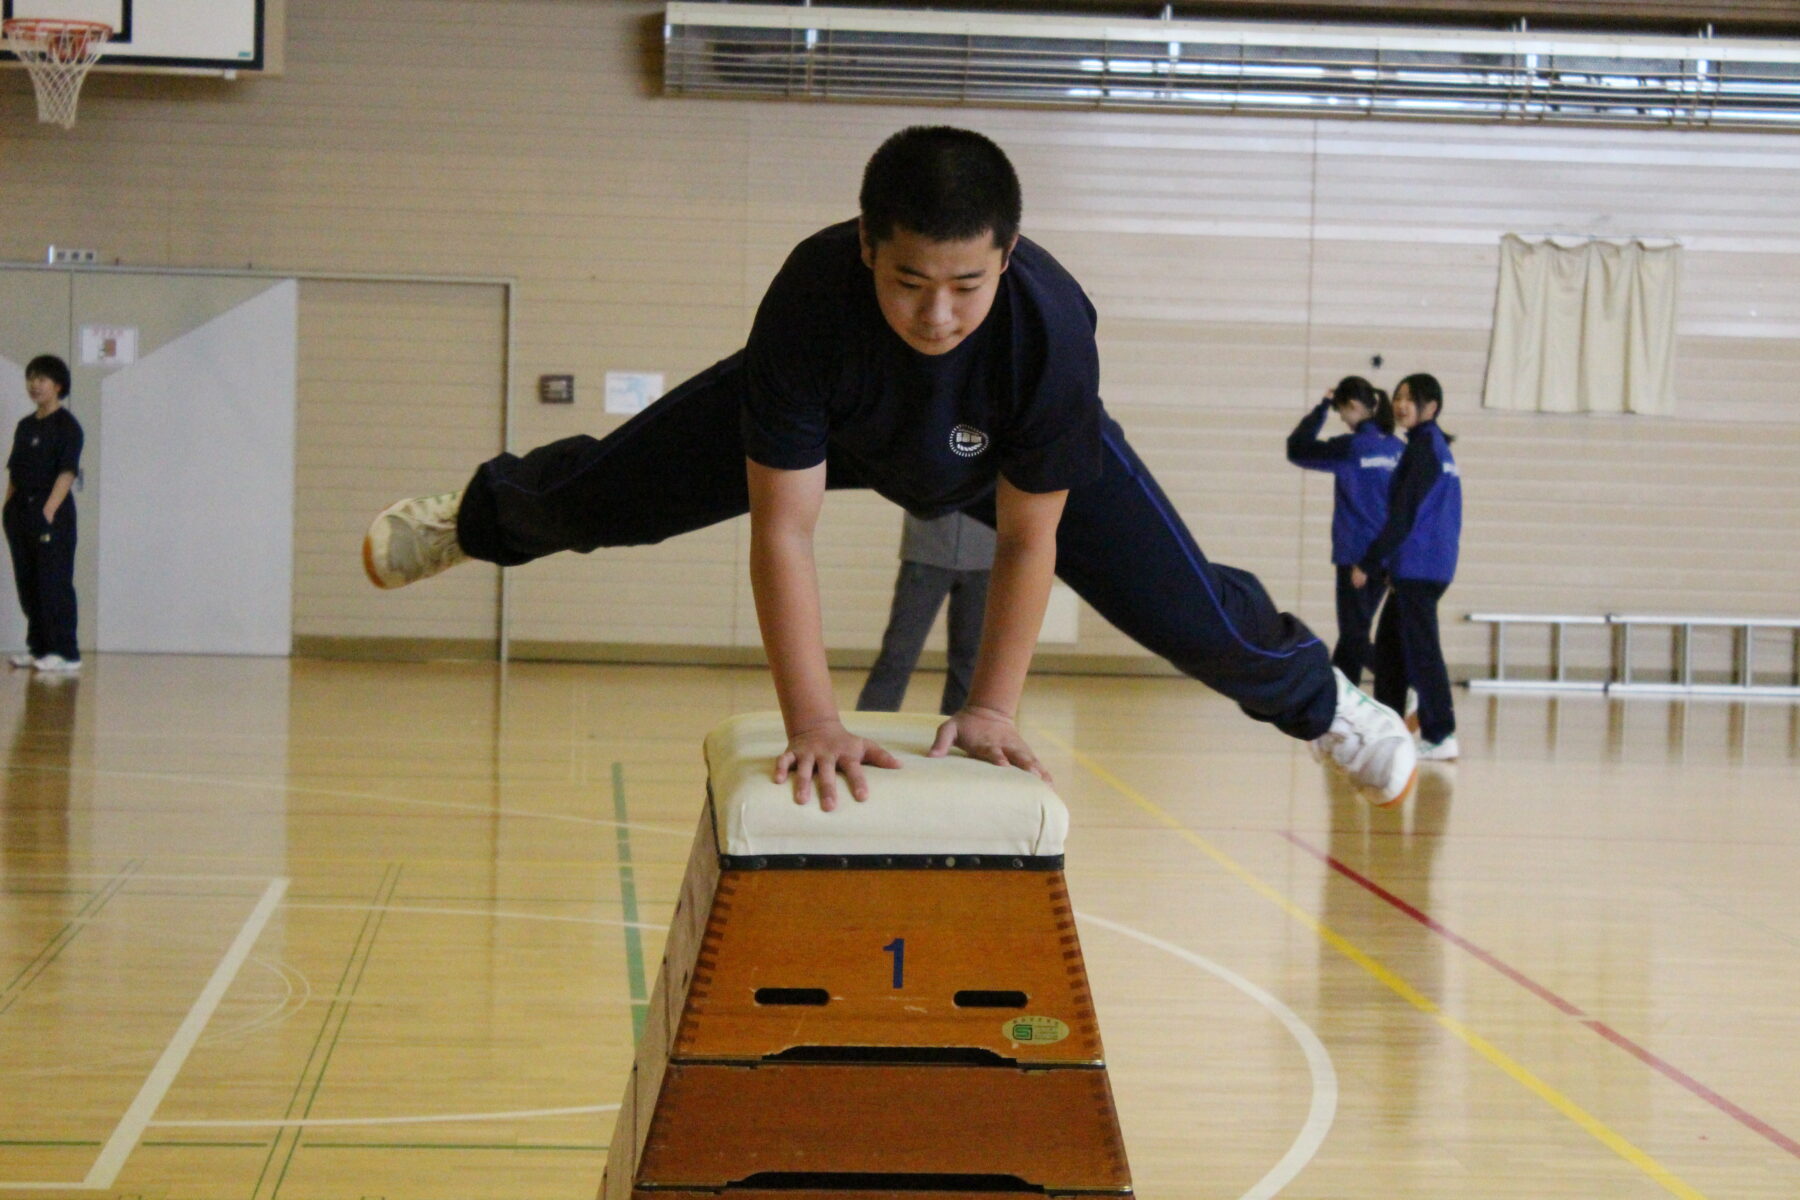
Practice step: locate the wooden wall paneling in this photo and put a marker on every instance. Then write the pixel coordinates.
(400, 393)
(1239, 266)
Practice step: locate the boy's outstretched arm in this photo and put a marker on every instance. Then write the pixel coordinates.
(784, 510)
(1018, 593)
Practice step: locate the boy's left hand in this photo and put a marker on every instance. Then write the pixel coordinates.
(991, 737)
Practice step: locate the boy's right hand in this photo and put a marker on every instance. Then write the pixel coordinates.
(816, 756)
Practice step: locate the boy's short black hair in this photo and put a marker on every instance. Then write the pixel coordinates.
(942, 183)
(52, 368)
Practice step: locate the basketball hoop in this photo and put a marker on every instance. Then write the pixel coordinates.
(58, 54)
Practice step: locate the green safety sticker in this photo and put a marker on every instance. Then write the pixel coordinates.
(1037, 1030)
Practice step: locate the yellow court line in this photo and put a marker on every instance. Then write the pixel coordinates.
(1591, 1124)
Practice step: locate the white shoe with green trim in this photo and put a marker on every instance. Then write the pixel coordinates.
(1370, 744)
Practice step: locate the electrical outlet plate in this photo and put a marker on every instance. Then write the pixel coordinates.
(70, 255)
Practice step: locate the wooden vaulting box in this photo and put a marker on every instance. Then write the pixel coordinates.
(886, 999)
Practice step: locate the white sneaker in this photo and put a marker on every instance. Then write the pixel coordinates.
(22, 661)
(1444, 751)
(1369, 743)
(413, 540)
(56, 664)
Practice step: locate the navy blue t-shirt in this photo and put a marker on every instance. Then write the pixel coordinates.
(44, 448)
(1020, 396)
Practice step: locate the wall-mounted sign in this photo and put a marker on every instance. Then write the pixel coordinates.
(631, 391)
(108, 345)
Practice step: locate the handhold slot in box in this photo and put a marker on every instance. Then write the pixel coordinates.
(811, 997)
(960, 1056)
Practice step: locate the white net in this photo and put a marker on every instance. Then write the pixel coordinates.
(57, 54)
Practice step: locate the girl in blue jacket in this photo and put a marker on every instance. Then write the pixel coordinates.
(1417, 548)
(1363, 461)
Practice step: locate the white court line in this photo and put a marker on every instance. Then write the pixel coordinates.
(131, 1126)
(1323, 1109)
(336, 794)
(313, 1122)
(485, 912)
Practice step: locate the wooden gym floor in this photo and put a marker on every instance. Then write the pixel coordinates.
(334, 930)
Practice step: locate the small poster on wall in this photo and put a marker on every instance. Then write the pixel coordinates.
(108, 345)
(632, 391)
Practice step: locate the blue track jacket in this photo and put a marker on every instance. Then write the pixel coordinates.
(1364, 463)
(1424, 518)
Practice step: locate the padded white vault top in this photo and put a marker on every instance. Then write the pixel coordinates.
(951, 805)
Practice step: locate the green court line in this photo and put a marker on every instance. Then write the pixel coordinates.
(44, 1142)
(332, 1025)
(33, 970)
(207, 1145)
(634, 942)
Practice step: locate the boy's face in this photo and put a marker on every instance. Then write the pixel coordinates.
(41, 388)
(935, 294)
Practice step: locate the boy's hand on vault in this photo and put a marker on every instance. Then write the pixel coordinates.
(990, 736)
(815, 757)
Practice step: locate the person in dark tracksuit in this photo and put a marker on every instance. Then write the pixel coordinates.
(949, 556)
(926, 351)
(1363, 463)
(39, 518)
(1418, 547)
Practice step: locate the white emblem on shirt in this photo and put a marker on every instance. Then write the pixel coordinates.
(966, 441)
(1386, 463)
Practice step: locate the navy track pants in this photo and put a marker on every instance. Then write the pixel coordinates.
(1409, 654)
(679, 466)
(43, 558)
(1356, 608)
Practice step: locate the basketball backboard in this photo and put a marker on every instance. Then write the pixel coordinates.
(174, 35)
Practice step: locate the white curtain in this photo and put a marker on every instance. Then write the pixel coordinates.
(1584, 328)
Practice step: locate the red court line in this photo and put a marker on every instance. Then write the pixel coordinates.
(1747, 1119)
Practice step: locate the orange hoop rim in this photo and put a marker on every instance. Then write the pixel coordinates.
(56, 52)
(32, 28)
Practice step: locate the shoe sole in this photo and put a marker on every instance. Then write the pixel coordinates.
(1376, 799)
(369, 563)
